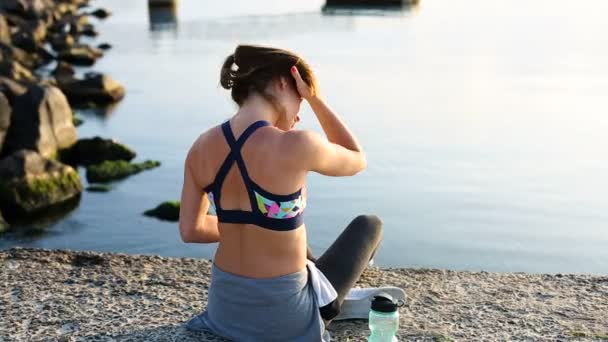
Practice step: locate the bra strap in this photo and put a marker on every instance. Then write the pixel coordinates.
(235, 153)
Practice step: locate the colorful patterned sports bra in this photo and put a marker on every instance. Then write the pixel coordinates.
(276, 212)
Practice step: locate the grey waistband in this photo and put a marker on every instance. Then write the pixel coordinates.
(282, 308)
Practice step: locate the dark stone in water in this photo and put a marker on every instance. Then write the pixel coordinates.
(104, 46)
(117, 169)
(30, 183)
(167, 211)
(77, 121)
(96, 150)
(41, 121)
(99, 188)
(95, 89)
(101, 13)
(80, 54)
(370, 3)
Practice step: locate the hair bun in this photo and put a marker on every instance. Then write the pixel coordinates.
(228, 74)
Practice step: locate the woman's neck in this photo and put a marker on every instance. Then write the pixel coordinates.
(256, 108)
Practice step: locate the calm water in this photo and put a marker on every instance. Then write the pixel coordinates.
(484, 124)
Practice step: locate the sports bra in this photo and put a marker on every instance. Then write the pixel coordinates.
(271, 211)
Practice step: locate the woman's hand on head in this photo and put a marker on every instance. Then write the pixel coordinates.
(303, 88)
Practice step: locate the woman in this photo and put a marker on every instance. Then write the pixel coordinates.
(251, 171)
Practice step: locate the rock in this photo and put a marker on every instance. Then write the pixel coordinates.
(64, 72)
(12, 53)
(104, 46)
(3, 224)
(96, 88)
(77, 121)
(30, 183)
(99, 188)
(5, 118)
(5, 30)
(101, 13)
(114, 170)
(86, 30)
(370, 3)
(11, 89)
(41, 121)
(80, 54)
(167, 211)
(14, 70)
(80, 25)
(96, 150)
(29, 9)
(161, 3)
(61, 41)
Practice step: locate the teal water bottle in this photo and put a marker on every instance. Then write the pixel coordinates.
(383, 319)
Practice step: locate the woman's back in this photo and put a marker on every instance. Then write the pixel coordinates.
(246, 248)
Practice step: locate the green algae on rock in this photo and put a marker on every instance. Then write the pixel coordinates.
(167, 211)
(117, 169)
(30, 183)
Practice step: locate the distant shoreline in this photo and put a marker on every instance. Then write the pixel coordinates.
(68, 295)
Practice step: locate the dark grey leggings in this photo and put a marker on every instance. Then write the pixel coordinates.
(346, 259)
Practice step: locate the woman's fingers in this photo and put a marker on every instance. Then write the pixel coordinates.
(303, 88)
(296, 74)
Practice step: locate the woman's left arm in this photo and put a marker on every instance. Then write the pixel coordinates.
(195, 226)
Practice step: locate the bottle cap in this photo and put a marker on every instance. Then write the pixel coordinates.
(383, 302)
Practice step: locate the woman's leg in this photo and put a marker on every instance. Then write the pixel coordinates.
(346, 259)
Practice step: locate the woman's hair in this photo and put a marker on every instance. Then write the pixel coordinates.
(252, 67)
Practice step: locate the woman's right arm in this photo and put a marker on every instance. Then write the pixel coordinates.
(338, 155)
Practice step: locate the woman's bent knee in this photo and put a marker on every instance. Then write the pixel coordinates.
(371, 224)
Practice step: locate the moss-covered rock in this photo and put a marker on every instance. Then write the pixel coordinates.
(96, 150)
(167, 211)
(99, 188)
(117, 169)
(30, 183)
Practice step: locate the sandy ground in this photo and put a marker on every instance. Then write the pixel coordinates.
(54, 295)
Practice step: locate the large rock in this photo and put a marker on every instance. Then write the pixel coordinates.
(95, 89)
(96, 150)
(5, 118)
(5, 30)
(41, 121)
(30, 183)
(80, 54)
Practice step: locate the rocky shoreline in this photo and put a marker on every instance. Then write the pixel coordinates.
(58, 295)
(39, 147)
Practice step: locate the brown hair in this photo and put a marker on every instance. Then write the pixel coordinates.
(257, 66)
